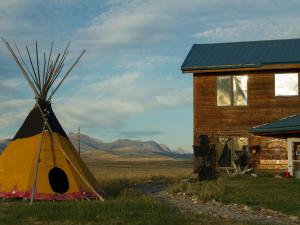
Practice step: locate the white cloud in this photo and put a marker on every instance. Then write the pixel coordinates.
(122, 26)
(145, 62)
(10, 85)
(9, 16)
(111, 102)
(68, 2)
(253, 29)
(173, 98)
(14, 112)
(6, 6)
(115, 82)
(140, 23)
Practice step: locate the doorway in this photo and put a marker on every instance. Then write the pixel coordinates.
(58, 180)
(296, 159)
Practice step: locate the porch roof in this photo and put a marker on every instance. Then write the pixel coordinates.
(288, 126)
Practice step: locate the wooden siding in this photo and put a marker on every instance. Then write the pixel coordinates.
(263, 107)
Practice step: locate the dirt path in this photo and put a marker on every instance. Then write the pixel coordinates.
(232, 212)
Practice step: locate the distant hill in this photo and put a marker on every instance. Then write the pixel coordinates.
(3, 144)
(86, 142)
(128, 148)
(123, 148)
(181, 150)
(165, 147)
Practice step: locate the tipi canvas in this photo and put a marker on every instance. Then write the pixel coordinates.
(40, 163)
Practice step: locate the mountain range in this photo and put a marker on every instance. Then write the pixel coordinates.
(124, 148)
(3, 144)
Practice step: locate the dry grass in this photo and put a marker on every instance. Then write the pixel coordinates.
(124, 205)
(138, 168)
(205, 190)
(258, 192)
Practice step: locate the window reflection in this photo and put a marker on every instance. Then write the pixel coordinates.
(232, 149)
(232, 90)
(224, 91)
(224, 147)
(286, 84)
(240, 90)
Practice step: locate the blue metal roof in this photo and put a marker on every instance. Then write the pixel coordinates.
(242, 54)
(289, 124)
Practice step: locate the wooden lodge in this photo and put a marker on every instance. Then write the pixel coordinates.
(241, 85)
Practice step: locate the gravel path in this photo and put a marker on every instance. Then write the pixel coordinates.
(232, 212)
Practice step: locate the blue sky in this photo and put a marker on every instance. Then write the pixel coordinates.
(129, 83)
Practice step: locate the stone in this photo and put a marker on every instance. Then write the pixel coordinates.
(225, 216)
(294, 217)
(246, 208)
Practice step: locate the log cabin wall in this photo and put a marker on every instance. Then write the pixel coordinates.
(263, 107)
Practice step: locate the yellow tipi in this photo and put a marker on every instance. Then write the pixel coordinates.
(40, 163)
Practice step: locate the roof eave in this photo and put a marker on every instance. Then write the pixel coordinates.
(263, 66)
(219, 67)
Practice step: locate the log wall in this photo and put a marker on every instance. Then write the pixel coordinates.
(263, 107)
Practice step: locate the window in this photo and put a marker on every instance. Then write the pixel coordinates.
(286, 84)
(232, 149)
(232, 90)
(224, 91)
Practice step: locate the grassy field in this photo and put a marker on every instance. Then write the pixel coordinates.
(128, 208)
(278, 194)
(124, 205)
(107, 169)
(133, 210)
(267, 192)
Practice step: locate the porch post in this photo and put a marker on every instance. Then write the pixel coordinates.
(290, 156)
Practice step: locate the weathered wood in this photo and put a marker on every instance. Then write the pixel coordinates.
(263, 107)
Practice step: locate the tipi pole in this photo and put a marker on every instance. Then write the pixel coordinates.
(68, 158)
(25, 66)
(21, 68)
(37, 166)
(79, 141)
(67, 73)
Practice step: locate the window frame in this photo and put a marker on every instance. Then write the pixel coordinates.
(232, 91)
(232, 153)
(285, 96)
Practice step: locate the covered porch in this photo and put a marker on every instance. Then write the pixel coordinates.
(288, 128)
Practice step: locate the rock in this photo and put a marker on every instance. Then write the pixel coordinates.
(246, 208)
(253, 175)
(225, 216)
(294, 217)
(215, 203)
(184, 181)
